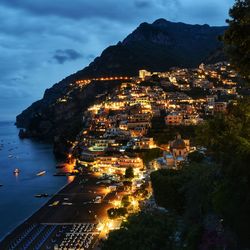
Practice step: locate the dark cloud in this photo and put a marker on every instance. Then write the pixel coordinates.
(142, 4)
(77, 9)
(62, 56)
(115, 10)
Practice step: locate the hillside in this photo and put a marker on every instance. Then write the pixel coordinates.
(156, 47)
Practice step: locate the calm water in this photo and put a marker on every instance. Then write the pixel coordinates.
(17, 201)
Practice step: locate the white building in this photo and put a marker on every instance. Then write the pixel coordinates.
(144, 73)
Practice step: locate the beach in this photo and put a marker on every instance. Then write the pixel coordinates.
(17, 201)
(74, 204)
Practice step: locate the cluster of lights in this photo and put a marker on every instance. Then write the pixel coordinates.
(86, 81)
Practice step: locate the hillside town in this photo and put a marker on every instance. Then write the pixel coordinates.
(144, 124)
(120, 125)
(117, 139)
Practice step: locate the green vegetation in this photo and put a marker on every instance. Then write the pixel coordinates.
(195, 156)
(150, 154)
(162, 133)
(147, 155)
(129, 173)
(144, 232)
(228, 139)
(236, 37)
(167, 189)
(219, 188)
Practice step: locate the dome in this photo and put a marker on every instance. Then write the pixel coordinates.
(178, 143)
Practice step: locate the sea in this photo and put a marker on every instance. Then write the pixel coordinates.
(17, 201)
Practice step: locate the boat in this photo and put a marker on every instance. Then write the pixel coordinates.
(55, 203)
(41, 195)
(41, 173)
(16, 171)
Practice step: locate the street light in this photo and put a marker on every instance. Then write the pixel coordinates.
(134, 202)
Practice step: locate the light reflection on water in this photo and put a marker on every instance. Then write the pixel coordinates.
(70, 178)
(17, 201)
(68, 168)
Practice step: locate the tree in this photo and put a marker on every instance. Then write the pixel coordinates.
(167, 189)
(156, 231)
(227, 137)
(196, 156)
(148, 155)
(198, 186)
(129, 173)
(237, 37)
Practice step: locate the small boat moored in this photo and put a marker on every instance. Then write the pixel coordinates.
(16, 171)
(41, 195)
(41, 173)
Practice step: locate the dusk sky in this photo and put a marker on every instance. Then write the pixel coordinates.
(43, 41)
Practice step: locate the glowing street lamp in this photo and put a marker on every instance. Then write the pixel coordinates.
(116, 203)
(134, 203)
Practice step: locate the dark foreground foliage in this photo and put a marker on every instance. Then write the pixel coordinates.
(236, 37)
(154, 231)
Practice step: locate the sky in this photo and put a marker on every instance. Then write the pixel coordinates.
(43, 41)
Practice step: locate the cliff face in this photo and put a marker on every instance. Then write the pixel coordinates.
(155, 47)
(61, 114)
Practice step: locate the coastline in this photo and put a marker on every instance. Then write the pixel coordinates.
(27, 218)
(17, 191)
(82, 210)
(25, 221)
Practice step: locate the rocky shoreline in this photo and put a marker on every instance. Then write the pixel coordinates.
(58, 122)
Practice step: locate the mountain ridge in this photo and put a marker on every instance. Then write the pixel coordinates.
(136, 49)
(155, 47)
